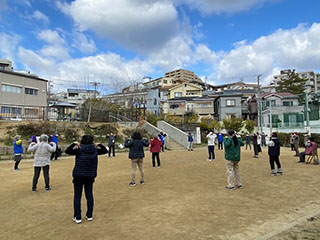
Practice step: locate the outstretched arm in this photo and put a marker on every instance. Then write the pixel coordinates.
(101, 149)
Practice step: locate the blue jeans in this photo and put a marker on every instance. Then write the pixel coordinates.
(88, 187)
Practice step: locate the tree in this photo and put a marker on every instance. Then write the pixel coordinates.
(233, 123)
(249, 125)
(292, 83)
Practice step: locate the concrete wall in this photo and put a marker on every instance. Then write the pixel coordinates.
(152, 130)
(174, 133)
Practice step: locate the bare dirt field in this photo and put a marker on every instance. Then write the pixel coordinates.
(184, 199)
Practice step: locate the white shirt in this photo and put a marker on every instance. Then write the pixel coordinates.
(211, 139)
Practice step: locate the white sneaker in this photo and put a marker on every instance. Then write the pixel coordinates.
(89, 219)
(209, 160)
(77, 220)
(213, 159)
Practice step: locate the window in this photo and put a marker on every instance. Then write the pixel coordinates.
(154, 101)
(31, 91)
(273, 103)
(287, 103)
(191, 92)
(177, 94)
(11, 89)
(11, 110)
(230, 102)
(165, 81)
(205, 105)
(174, 106)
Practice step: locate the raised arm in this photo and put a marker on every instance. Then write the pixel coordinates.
(71, 151)
(52, 147)
(101, 149)
(128, 143)
(145, 142)
(32, 147)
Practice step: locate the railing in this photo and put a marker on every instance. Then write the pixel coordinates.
(20, 112)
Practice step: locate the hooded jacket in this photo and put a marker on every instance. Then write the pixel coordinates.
(232, 152)
(86, 162)
(136, 147)
(42, 154)
(155, 145)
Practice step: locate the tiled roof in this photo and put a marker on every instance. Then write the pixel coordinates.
(281, 94)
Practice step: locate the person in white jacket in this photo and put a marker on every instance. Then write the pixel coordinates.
(211, 140)
(43, 151)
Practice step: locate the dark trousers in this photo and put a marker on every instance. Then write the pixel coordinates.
(55, 154)
(88, 187)
(248, 144)
(154, 156)
(211, 152)
(302, 157)
(220, 145)
(16, 164)
(256, 149)
(113, 148)
(162, 147)
(292, 147)
(274, 159)
(36, 175)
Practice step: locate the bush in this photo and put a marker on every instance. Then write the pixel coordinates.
(128, 133)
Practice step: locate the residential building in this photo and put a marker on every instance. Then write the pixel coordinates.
(184, 76)
(284, 108)
(162, 82)
(312, 84)
(184, 90)
(22, 95)
(79, 96)
(235, 86)
(200, 105)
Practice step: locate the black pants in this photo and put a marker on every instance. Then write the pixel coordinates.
(274, 159)
(248, 144)
(55, 154)
(88, 187)
(113, 150)
(16, 164)
(302, 157)
(154, 156)
(256, 149)
(162, 147)
(211, 152)
(36, 175)
(292, 147)
(220, 145)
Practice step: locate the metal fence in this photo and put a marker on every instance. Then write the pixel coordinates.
(20, 112)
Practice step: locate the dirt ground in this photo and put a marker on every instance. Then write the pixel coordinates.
(184, 199)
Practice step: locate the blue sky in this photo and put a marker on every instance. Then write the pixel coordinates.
(115, 43)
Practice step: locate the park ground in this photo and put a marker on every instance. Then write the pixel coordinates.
(184, 199)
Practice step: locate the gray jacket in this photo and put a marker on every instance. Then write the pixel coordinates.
(42, 154)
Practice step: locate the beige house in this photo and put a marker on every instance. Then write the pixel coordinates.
(185, 90)
(22, 95)
(162, 82)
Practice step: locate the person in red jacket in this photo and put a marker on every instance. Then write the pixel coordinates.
(155, 148)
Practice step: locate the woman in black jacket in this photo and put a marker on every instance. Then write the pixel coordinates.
(84, 173)
(136, 154)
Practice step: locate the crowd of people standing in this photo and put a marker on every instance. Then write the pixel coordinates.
(45, 149)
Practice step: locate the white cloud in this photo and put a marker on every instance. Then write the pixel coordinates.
(112, 71)
(137, 25)
(8, 44)
(297, 48)
(56, 47)
(83, 43)
(40, 16)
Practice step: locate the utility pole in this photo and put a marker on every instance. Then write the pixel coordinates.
(307, 108)
(270, 109)
(259, 103)
(95, 84)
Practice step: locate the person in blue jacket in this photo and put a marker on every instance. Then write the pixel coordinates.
(17, 152)
(220, 141)
(84, 173)
(55, 155)
(190, 142)
(161, 137)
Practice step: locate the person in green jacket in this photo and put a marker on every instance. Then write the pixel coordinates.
(232, 145)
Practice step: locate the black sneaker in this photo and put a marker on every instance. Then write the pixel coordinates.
(239, 186)
(132, 184)
(280, 173)
(142, 182)
(34, 190)
(48, 188)
(230, 188)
